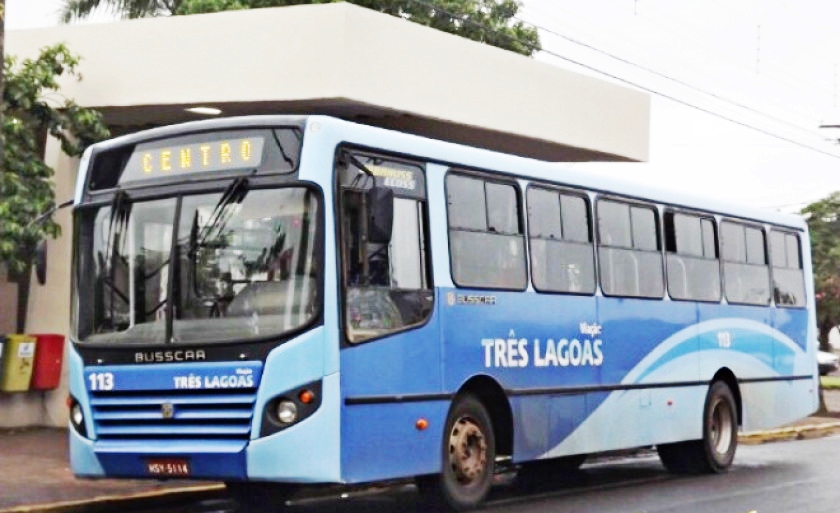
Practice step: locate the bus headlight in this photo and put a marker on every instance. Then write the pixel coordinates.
(287, 412)
(290, 408)
(77, 416)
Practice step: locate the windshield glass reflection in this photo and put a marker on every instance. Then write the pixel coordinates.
(243, 266)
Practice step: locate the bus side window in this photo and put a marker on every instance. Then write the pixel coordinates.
(629, 254)
(788, 276)
(746, 275)
(562, 258)
(487, 246)
(692, 263)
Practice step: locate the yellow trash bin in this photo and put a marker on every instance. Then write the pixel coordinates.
(18, 357)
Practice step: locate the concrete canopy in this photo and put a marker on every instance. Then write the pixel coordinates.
(350, 62)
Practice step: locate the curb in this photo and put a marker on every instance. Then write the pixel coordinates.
(789, 433)
(157, 498)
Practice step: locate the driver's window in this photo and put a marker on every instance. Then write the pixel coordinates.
(387, 284)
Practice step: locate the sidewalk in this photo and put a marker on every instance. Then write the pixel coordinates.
(35, 476)
(35, 471)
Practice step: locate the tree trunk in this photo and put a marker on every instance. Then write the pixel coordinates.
(24, 280)
(823, 409)
(824, 328)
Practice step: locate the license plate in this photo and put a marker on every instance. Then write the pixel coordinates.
(168, 467)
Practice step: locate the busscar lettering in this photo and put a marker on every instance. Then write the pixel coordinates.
(188, 355)
(475, 299)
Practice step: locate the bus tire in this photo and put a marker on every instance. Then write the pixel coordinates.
(260, 497)
(715, 452)
(469, 454)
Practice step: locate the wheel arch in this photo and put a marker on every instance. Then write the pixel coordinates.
(727, 376)
(493, 397)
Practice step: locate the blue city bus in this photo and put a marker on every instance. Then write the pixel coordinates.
(276, 301)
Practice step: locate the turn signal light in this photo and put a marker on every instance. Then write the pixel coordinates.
(306, 397)
(421, 424)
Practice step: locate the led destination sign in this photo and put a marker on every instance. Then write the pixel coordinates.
(407, 181)
(156, 160)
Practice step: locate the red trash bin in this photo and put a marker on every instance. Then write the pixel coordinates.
(49, 354)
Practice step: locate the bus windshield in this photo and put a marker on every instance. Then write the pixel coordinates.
(219, 267)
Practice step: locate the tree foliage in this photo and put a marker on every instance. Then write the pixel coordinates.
(824, 224)
(76, 9)
(33, 108)
(488, 21)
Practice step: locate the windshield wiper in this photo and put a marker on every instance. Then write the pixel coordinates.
(50, 211)
(348, 158)
(234, 193)
(120, 214)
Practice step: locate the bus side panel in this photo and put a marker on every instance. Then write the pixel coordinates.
(643, 335)
(524, 342)
(758, 343)
(387, 386)
(793, 323)
(650, 343)
(382, 441)
(289, 455)
(736, 329)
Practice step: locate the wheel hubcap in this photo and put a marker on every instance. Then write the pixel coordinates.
(721, 427)
(467, 451)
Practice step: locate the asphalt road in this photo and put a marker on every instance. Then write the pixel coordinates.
(800, 476)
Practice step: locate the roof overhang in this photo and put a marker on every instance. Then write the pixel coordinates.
(354, 63)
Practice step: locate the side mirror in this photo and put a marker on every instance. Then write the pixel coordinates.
(380, 214)
(41, 262)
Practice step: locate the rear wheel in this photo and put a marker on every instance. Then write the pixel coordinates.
(715, 452)
(469, 453)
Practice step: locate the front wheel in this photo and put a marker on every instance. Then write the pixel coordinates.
(469, 454)
(716, 450)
